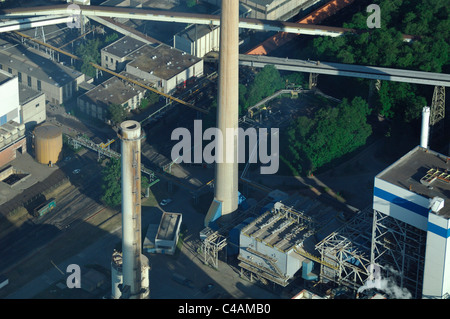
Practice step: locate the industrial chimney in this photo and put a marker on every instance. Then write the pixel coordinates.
(425, 127)
(134, 265)
(226, 174)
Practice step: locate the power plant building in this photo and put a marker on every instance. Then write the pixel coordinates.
(12, 134)
(411, 227)
(280, 242)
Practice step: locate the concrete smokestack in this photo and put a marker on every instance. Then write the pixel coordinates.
(133, 267)
(226, 174)
(424, 135)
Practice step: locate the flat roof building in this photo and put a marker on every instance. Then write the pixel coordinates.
(115, 55)
(96, 102)
(164, 65)
(163, 238)
(276, 245)
(57, 81)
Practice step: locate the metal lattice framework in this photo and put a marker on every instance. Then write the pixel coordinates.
(348, 250)
(399, 248)
(437, 105)
(211, 247)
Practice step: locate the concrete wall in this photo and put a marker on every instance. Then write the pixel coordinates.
(9, 93)
(33, 112)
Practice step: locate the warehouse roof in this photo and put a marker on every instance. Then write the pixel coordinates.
(162, 61)
(27, 94)
(170, 222)
(123, 47)
(114, 91)
(27, 62)
(409, 172)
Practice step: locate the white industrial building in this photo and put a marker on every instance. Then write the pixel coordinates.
(10, 110)
(280, 242)
(200, 39)
(163, 238)
(32, 107)
(165, 66)
(411, 227)
(116, 55)
(96, 101)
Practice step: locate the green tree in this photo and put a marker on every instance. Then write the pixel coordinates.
(331, 133)
(117, 113)
(266, 83)
(111, 183)
(89, 52)
(191, 3)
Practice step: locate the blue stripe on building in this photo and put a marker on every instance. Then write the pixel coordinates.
(404, 203)
(413, 207)
(438, 230)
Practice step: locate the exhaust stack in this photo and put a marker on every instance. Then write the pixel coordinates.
(226, 174)
(134, 264)
(424, 136)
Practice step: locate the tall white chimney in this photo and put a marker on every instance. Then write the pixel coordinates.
(425, 127)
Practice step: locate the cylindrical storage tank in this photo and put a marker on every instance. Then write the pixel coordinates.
(48, 143)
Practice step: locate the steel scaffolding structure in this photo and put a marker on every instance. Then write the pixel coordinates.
(399, 250)
(345, 253)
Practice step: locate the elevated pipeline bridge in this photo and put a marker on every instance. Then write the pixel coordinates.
(349, 70)
(22, 14)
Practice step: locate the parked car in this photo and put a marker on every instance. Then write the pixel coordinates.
(166, 201)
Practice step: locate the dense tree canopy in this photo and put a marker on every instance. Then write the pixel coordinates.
(111, 183)
(116, 113)
(330, 133)
(427, 19)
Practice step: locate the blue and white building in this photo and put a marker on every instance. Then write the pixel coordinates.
(411, 228)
